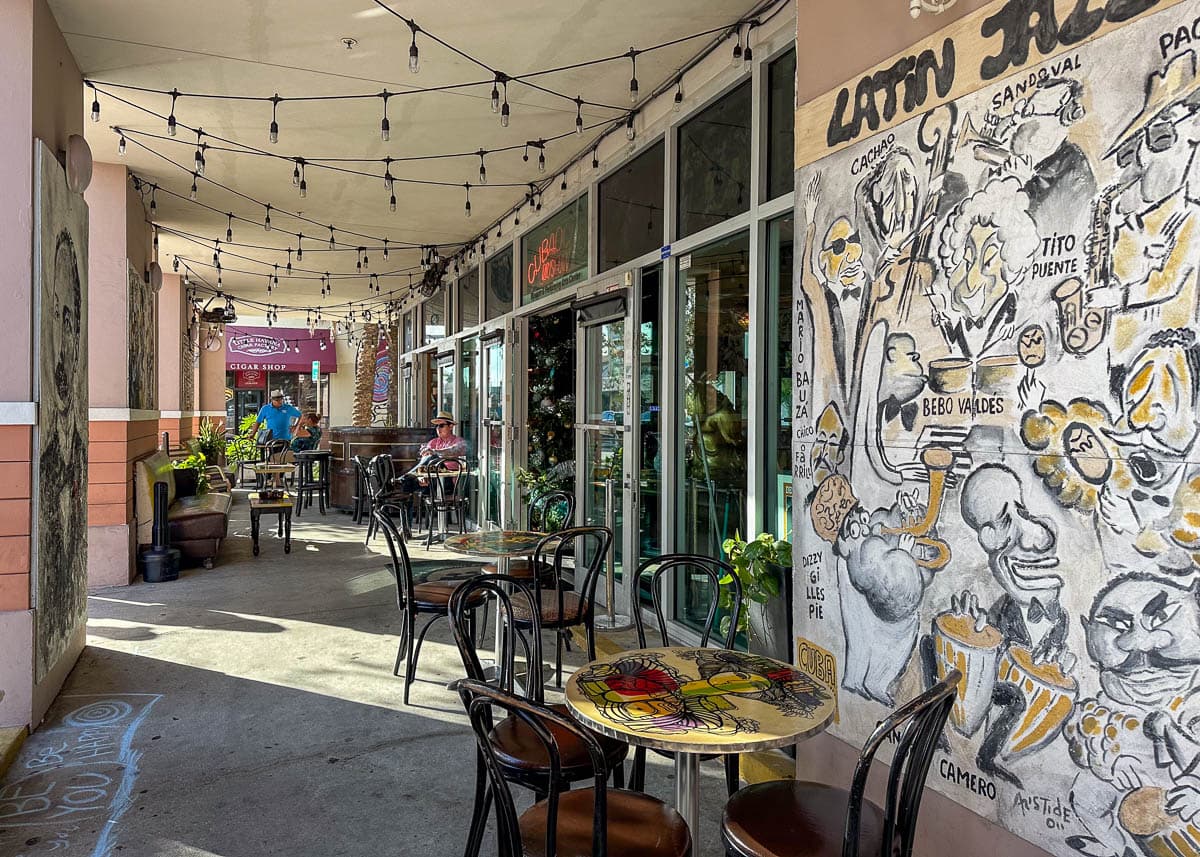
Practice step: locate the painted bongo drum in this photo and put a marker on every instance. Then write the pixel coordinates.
(1049, 698)
(974, 653)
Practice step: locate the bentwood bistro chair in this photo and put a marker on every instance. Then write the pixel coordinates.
(380, 478)
(559, 607)
(794, 818)
(520, 756)
(583, 822)
(679, 568)
(416, 599)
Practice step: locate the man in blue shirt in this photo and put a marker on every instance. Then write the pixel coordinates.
(277, 417)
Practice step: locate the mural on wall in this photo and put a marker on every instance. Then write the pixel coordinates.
(60, 259)
(997, 379)
(143, 382)
(189, 359)
(382, 393)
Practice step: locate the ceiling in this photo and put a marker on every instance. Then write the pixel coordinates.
(294, 47)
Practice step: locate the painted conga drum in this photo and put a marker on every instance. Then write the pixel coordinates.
(1049, 697)
(1158, 833)
(974, 653)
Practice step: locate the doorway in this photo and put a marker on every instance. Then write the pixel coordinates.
(491, 431)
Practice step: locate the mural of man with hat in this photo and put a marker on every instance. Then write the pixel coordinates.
(1156, 245)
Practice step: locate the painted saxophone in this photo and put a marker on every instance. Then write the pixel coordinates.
(1081, 325)
(934, 553)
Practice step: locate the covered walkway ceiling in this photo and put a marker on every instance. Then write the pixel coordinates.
(295, 48)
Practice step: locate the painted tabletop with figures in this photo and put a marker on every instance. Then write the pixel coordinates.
(498, 543)
(688, 700)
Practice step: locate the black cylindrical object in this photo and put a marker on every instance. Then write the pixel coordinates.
(160, 563)
(160, 516)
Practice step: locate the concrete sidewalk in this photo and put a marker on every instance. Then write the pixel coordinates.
(251, 710)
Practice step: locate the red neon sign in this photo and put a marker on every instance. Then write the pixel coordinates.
(548, 261)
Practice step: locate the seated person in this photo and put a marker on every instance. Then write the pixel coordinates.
(446, 444)
(308, 433)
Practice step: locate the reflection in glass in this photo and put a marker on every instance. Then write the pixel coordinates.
(715, 346)
(493, 415)
(649, 423)
(468, 418)
(778, 424)
(435, 318)
(498, 280)
(446, 384)
(468, 299)
(781, 125)
(714, 163)
(631, 209)
(604, 411)
(408, 331)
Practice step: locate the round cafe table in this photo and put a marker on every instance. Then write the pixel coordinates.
(695, 701)
(501, 545)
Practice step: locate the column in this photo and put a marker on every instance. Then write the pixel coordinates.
(176, 361)
(210, 380)
(43, 412)
(122, 375)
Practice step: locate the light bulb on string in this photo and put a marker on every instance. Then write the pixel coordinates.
(414, 54)
(172, 126)
(296, 175)
(578, 114)
(385, 248)
(748, 54)
(229, 227)
(482, 167)
(303, 182)
(154, 243)
(496, 93)
(217, 253)
(392, 203)
(267, 219)
(504, 111)
(595, 159)
(175, 264)
(288, 269)
(678, 100)
(153, 202)
(332, 243)
(95, 105)
(630, 133)
(525, 154)
(299, 246)
(121, 145)
(737, 48)
(467, 208)
(388, 179)
(273, 130)
(633, 81)
(563, 186)
(275, 277)
(541, 156)
(194, 190)
(385, 127)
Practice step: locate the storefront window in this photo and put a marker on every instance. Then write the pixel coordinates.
(468, 417)
(714, 163)
(408, 331)
(650, 417)
(554, 253)
(781, 124)
(435, 318)
(498, 282)
(777, 440)
(551, 402)
(468, 299)
(714, 291)
(631, 209)
(446, 382)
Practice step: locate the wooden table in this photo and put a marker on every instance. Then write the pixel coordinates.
(695, 701)
(283, 508)
(501, 545)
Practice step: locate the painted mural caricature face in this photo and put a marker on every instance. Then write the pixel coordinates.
(841, 256)
(1021, 547)
(1143, 632)
(888, 201)
(1086, 453)
(1045, 117)
(1158, 404)
(903, 375)
(829, 449)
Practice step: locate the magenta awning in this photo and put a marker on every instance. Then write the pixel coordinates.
(277, 349)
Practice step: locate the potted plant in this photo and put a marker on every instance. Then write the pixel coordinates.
(211, 442)
(764, 567)
(193, 469)
(242, 447)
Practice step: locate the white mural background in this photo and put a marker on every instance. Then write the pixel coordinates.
(996, 383)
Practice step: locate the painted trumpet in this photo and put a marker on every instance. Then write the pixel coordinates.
(934, 553)
(986, 149)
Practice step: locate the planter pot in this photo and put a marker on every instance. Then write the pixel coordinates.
(771, 623)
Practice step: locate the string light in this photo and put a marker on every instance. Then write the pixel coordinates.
(95, 105)
(504, 111)
(737, 48)
(332, 241)
(299, 246)
(678, 99)
(541, 156)
(289, 262)
(595, 159)
(496, 93)
(273, 130)
(414, 55)
(171, 124)
(385, 127)
(121, 145)
(229, 227)
(633, 81)
(153, 201)
(563, 186)
(392, 203)
(482, 168)
(296, 175)
(748, 54)
(303, 183)
(194, 191)
(267, 219)
(630, 134)
(578, 114)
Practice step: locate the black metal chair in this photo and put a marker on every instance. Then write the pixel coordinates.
(794, 818)
(380, 479)
(521, 757)
(560, 607)
(595, 821)
(541, 520)
(414, 599)
(362, 496)
(447, 481)
(686, 565)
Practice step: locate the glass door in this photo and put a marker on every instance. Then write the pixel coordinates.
(446, 383)
(468, 421)
(604, 428)
(491, 431)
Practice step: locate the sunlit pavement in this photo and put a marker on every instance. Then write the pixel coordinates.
(251, 710)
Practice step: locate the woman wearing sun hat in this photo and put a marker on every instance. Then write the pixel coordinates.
(444, 445)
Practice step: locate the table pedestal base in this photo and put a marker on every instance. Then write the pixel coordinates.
(618, 622)
(687, 791)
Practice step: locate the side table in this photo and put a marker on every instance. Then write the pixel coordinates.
(282, 508)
